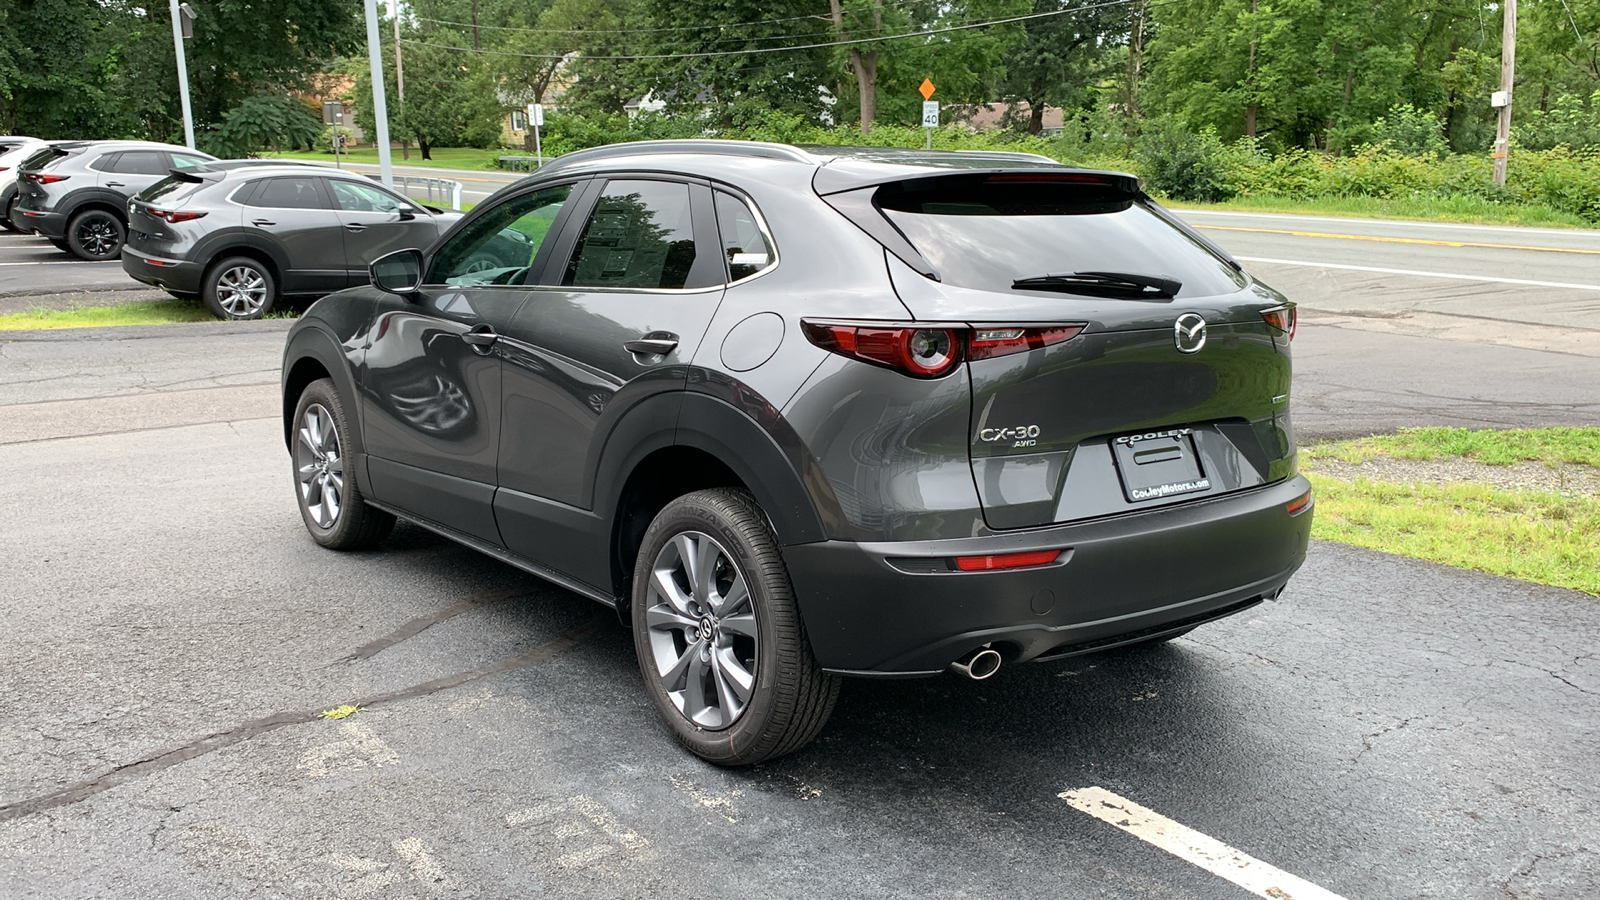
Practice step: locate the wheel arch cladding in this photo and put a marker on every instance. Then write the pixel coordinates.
(248, 251)
(312, 354)
(99, 204)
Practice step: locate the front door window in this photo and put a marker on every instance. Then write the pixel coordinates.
(501, 246)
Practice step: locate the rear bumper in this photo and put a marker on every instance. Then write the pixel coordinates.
(1118, 580)
(44, 224)
(177, 275)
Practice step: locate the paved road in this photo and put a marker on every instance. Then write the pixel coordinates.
(1390, 728)
(32, 265)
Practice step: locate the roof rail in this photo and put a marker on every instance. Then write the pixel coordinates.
(917, 154)
(759, 149)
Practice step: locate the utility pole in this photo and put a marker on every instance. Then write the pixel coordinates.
(178, 23)
(1502, 97)
(380, 106)
(399, 75)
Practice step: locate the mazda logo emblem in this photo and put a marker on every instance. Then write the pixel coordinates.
(1189, 333)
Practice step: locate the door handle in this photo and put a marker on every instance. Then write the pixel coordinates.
(262, 222)
(656, 343)
(481, 337)
(355, 227)
(115, 184)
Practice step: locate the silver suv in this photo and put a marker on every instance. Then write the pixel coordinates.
(241, 236)
(13, 150)
(75, 193)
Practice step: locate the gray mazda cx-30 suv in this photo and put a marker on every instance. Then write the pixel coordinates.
(240, 235)
(800, 414)
(75, 193)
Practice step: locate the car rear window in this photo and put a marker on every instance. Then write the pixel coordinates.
(171, 189)
(37, 160)
(988, 231)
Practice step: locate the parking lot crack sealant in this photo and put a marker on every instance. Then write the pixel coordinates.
(221, 739)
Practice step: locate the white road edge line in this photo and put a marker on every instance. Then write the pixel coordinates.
(1191, 846)
(1450, 275)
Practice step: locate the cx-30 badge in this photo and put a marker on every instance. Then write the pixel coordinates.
(1189, 333)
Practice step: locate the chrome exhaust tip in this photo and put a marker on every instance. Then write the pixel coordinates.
(979, 664)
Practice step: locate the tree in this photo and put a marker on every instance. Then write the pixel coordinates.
(266, 121)
(1055, 58)
(451, 96)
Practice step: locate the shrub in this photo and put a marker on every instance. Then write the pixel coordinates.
(1410, 131)
(1182, 164)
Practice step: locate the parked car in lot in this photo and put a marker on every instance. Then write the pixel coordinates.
(799, 414)
(242, 236)
(13, 150)
(75, 193)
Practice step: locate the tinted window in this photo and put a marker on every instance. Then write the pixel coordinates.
(37, 160)
(744, 245)
(140, 162)
(499, 246)
(353, 195)
(105, 163)
(180, 161)
(639, 236)
(289, 193)
(985, 235)
(165, 187)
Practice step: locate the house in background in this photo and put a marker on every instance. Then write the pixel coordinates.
(335, 87)
(992, 116)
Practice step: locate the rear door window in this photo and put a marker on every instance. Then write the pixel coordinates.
(640, 235)
(987, 231)
(744, 244)
(107, 163)
(291, 192)
(358, 197)
(140, 162)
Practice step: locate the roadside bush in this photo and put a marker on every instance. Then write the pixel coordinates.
(1182, 164)
(1410, 131)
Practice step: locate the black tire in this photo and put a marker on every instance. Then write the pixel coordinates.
(790, 698)
(5, 216)
(239, 288)
(96, 235)
(353, 524)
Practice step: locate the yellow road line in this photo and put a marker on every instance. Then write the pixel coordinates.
(1397, 240)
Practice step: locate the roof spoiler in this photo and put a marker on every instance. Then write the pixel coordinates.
(193, 177)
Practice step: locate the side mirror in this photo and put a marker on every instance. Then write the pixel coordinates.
(399, 272)
(407, 214)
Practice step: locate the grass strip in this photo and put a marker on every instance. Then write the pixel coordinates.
(1461, 209)
(142, 312)
(1578, 445)
(1533, 535)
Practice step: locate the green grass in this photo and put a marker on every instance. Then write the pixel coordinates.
(1579, 445)
(1469, 210)
(1535, 535)
(143, 312)
(443, 157)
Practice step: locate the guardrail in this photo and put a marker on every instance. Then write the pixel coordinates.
(442, 190)
(521, 163)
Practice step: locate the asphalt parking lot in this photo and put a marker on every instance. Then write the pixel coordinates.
(1389, 728)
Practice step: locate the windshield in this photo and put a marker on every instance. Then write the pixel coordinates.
(987, 233)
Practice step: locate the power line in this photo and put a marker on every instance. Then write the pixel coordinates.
(815, 46)
(820, 17)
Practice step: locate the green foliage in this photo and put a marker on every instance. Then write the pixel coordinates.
(265, 122)
(1568, 122)
(1410, 131)
(451, 98)
(1563, 444)
(1182, 164)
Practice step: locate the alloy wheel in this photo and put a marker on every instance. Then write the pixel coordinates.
(702, 630)
(97, 236)
(320, 466)
(242, 291)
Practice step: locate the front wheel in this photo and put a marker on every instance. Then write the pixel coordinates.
(239, 288)
(96, 235)
(326, 487)
(719, 638)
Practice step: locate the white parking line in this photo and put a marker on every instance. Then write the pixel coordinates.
(1191, 846)
(1450, 275)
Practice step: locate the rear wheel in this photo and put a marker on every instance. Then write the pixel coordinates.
(60, 244)
(326, 489)
(5, 216)
(96, 235)
(239, 288)
(718, 634)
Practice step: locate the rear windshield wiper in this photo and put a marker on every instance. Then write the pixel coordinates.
(1103, 284)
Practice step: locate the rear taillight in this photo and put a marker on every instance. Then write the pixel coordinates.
(45, 178)
(930, 351)
(1007, 560)
(173, 216)
(987, 341)
(1283, 318)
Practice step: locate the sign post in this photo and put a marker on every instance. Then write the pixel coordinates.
(930, 109)
(536, 119)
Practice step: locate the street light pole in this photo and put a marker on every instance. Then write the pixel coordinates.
(380, 107)
(399, 75)
(183, 74)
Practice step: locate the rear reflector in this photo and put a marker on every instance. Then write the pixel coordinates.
(1299, 505)
(1283, 318)
(1006, 560)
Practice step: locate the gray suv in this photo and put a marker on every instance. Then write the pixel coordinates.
(242, 236)
(800, 414)
(75, 193)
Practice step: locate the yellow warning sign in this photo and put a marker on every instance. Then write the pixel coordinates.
(926, 89)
